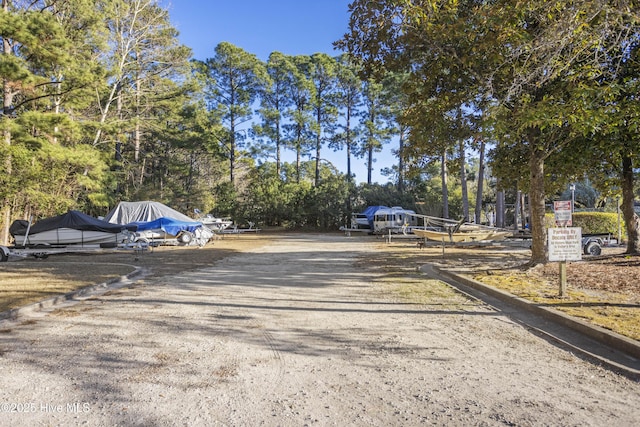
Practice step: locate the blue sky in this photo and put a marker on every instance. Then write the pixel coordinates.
(293, 27)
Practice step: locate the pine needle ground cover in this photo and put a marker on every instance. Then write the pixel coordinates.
(604, 291)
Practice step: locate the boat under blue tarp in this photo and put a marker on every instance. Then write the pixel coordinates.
(168, 225)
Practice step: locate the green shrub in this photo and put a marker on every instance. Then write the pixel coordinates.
(593, 222)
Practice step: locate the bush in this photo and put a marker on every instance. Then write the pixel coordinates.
(593, 222)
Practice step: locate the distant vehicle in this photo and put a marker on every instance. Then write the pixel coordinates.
(395, 219)
(364, 219)
(360, 221)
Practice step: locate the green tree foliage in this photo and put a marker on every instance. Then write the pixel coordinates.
(547, 99)
(376, 117)
(323, 70)
(287, 203)
(298, 131)
(348, 101)
(147, 66)
(537, 62)
(234, 79)
(100, 104)
(275, 100)
(38, 71)
(107, 109)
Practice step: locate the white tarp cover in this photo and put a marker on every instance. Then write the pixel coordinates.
(128, 212)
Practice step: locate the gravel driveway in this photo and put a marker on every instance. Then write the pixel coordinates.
(300, 332)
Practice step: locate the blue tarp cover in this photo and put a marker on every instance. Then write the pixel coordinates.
(370, 211)
(168, 225)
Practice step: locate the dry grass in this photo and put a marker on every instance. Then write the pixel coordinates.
(27, 282)
(604, 291)
(400, 264)
(420, 290)
(610, 309)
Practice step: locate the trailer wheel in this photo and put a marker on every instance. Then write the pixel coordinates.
(142, 244)
(593, 248)
(186, 237)
(41, 255)
(4, 257)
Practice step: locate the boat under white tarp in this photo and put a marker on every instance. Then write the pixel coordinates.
(128, 212)
(158, 222)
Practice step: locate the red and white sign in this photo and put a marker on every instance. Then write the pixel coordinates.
(562, 212)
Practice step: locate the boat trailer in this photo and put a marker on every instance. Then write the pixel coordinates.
(43, 251)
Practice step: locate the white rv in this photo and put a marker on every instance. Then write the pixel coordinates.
(395, 219)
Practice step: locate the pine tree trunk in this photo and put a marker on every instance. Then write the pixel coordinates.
(278, 154)
(401, 162)
(298, 164)
(7, 97)
(500, 209)
(318, 145)
(369, 164)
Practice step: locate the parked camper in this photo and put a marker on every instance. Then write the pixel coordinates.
(395, 219)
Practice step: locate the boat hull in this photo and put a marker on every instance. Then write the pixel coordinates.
(70, 236)
(215, 224)
(456, 237)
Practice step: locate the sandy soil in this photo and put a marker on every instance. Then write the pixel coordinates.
(299, 332)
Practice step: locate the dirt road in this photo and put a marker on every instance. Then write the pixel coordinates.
(300, 332)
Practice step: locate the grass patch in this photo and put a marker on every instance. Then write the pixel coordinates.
(401, 278)
(419, 290)
(614, 311)
(27, 282)
(607, 306)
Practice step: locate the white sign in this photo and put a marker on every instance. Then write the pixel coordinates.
(565, 244)
(562, 212)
